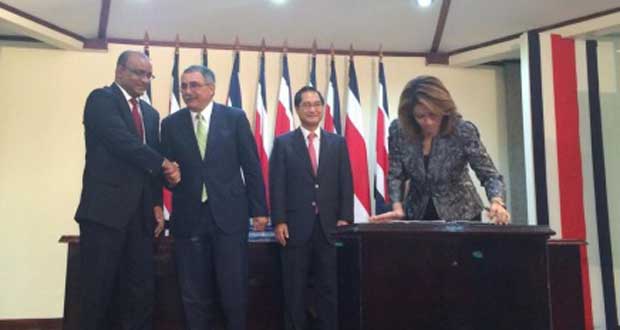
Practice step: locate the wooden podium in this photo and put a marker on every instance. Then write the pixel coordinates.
(405, 276)
(438, 275)
(264, 310)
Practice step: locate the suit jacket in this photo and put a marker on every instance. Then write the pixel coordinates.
(295, 190)
(233, 196)
(447, 179)
(121, 172)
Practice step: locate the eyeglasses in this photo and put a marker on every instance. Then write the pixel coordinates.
(193, 85)
(140, 73)
(308, 105)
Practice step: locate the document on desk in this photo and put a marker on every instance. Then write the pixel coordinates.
(465, 222)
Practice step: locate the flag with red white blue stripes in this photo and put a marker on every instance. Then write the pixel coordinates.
(284, 114)
(234, 89)
(356, 144)
(331, 121)
(382, 198)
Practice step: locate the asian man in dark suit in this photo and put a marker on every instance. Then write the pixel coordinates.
(311, 193)
(222, 187)
(120, 205)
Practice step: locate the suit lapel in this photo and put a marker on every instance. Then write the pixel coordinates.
(418, 159)
(212, 136)
(302, 150)
(323, 151)
(187, 129)
(436, 157)
(149, 123)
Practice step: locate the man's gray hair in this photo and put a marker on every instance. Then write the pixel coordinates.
(204, 71)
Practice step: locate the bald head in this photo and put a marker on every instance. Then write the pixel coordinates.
(124, 57)
(133, 72)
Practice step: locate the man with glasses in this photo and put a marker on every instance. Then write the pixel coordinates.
(120, 206)
(222, 187)
(311, 193)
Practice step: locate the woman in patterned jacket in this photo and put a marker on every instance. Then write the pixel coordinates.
(431, 146)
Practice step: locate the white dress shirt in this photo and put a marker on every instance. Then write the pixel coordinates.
(205, 114)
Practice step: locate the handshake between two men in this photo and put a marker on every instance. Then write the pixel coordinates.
(172, 173)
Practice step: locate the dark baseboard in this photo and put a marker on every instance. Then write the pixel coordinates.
(44, 324)
(31, 324)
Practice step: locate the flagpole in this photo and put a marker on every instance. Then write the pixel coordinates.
(205, 55)
(147, 96)
(234, 90)
(312, 78)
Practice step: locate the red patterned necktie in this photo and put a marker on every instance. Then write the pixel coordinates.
(135, 114)
(312, 152)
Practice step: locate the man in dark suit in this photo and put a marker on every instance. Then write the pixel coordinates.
(222, 187)
(120, 205)
(311, 193)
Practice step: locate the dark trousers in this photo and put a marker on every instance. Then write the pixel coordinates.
(210, 263)
(319, 257)
(117, 276)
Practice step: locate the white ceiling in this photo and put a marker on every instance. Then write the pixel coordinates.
(473, 22)
(78, 16)
(366, 24)
(7, 29)
(399, 25)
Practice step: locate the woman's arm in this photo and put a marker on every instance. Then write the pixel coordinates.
(397, 213)
(485, 170)
(397, 176)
